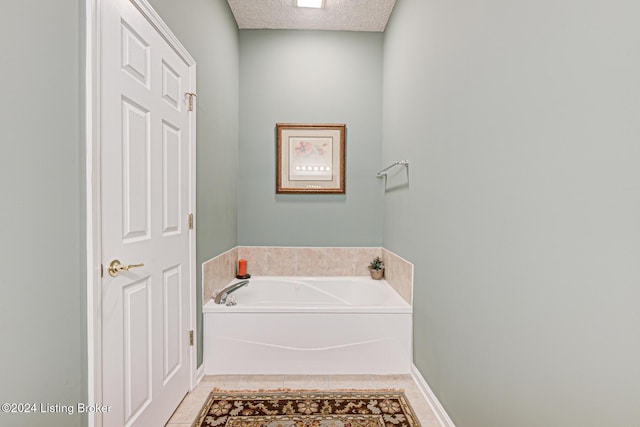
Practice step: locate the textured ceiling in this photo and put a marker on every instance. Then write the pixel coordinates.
(339, 15)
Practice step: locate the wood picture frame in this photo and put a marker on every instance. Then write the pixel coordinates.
(310, 158)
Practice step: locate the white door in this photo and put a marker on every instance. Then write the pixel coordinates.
(145, 179)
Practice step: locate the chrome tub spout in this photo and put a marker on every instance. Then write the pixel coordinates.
(221, 297)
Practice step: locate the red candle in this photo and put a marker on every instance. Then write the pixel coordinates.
(242, 267)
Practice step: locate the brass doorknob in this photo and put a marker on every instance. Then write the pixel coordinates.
(115, 267)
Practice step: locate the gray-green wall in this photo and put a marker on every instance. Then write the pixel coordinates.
(42, 251)
(522, 123)
(42, 221)
(310, 77)
(208, 31)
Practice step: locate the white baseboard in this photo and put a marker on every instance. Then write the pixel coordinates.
(436, 407)
(199, 374)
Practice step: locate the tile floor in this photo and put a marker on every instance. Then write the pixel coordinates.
(186, 413)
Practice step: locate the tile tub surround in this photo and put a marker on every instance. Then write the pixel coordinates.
(306, 261)
(399, 274)
(218, 272)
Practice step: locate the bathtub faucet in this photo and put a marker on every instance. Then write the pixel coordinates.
(221, 296)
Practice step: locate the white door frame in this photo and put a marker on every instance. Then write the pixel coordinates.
(93, 185)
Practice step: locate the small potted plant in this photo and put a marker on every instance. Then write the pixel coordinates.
(376, 268)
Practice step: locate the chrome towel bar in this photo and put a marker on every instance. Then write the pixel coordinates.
(383, 172)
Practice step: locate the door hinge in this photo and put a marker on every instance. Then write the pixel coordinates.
(101, 271)
(190, 221)
(191, 338)
(191, 95)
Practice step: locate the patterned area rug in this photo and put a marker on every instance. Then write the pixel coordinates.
(296, 408)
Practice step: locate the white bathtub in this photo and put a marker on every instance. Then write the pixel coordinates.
(309, 325)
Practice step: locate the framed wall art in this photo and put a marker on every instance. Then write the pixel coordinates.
(310, 158)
